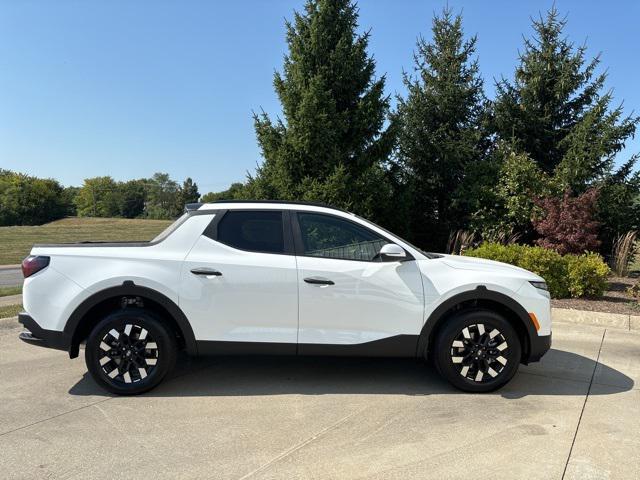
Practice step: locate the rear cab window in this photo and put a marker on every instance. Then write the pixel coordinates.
(252, 230)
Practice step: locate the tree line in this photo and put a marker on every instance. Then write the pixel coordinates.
(27, 200)
(537, 162)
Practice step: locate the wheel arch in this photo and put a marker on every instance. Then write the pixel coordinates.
(91, 310)
(480, 297)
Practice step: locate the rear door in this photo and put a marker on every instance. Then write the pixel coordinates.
(239, 282)
(349, 296)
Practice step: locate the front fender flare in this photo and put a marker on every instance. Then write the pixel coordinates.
(479, 293)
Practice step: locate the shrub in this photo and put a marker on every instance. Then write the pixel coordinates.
(587, 275)
(550, 265)
(567, 224)
(498, 252)
(568, 275)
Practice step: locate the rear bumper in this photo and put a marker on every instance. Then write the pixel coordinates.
(539, 346)
(36, 335)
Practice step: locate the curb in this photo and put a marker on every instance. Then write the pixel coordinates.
(598, 319)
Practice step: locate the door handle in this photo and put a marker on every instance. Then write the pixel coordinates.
(206, 271)
(319, 281)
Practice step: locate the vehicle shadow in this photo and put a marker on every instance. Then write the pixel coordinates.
(560, 373)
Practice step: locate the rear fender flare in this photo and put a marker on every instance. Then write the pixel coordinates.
(128, 288)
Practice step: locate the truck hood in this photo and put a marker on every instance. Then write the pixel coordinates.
(483, 265)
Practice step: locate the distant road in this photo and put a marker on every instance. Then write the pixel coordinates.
(10, 276)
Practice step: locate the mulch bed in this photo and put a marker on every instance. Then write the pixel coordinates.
(615, 299)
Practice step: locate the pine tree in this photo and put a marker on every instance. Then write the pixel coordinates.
(331, 145)
(440, 128)
(188, 193)
(555, 110)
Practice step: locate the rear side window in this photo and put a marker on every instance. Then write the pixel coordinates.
(256, 231)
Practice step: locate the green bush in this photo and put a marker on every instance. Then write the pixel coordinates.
(566, 276)
(587, 275)
(550, 265)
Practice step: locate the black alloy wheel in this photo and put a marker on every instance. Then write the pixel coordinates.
(130, 351)
(477, 350)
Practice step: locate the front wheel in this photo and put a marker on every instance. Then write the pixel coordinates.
(130, 351)
(477, 351)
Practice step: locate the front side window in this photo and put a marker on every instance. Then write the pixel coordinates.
(256, 231)
(334, 237)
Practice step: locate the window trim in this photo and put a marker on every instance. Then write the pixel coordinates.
(211, 231)
(299, 243)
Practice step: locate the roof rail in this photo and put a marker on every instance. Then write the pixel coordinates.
(289, 202)
(190, 207)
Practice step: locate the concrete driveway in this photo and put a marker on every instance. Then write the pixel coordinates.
(574, 415)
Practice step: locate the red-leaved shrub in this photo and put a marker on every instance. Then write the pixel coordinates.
(567, 223)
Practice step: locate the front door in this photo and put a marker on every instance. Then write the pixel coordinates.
(239, 281)
(349, 296)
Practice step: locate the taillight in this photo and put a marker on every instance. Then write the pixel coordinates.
(33, 264)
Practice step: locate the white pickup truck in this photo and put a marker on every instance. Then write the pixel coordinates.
(280, 278)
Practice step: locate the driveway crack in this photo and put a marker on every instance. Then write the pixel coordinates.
(302, 444)
(584, 404)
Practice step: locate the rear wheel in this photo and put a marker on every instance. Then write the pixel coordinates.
(477, 351)
(130, 351)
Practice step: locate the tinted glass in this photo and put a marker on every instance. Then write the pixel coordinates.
(333, 237)
(257, 231)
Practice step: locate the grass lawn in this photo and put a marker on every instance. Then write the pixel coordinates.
(10, 311)
(16, 242)
(6, 291)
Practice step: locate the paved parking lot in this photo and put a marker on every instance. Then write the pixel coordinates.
(574, 415)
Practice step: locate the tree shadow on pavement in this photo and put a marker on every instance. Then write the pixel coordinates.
(560, 373)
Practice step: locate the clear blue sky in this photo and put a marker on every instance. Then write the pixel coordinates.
(128, 88)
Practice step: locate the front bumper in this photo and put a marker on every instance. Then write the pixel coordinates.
(36, 335)
(539, 346)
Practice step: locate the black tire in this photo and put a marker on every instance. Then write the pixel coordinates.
(130, 351)
(477, 351)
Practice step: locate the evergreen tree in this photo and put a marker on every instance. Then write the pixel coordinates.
(440, 129)
(556, 112)
(188, 193)
(331, 145)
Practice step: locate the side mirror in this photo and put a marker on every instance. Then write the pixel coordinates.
(392, 251)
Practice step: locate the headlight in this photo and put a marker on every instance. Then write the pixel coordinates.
(540, 285)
